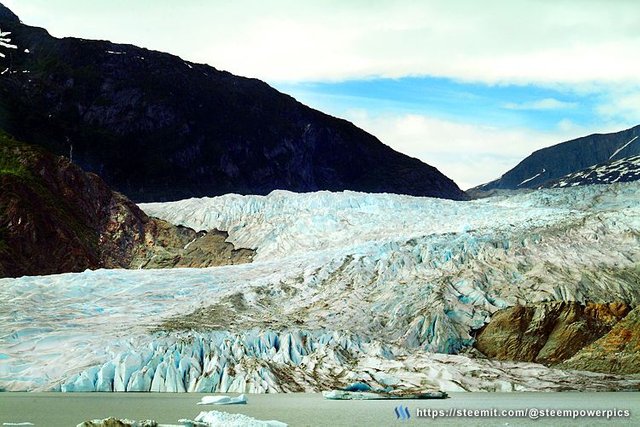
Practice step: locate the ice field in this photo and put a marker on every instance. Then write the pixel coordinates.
(344, 287)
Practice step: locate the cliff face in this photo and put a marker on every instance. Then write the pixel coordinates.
(157, 128)
(547, 332)
(617, 352)
(56, 218)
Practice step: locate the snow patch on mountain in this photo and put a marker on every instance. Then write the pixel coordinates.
(5, 42)
(623, 147)
(623, 170)
(532, 178)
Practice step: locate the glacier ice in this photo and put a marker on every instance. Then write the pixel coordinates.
(344, 286)
(253, 363)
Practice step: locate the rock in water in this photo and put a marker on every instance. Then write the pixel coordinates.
(115, 422)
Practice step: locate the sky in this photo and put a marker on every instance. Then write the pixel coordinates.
(470, 87)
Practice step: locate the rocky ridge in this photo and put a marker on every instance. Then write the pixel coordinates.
(56, 218)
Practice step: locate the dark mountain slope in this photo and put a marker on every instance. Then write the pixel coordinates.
(55, 218)
(158, 128)
(555, 162)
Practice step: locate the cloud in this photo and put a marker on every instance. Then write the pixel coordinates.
(624, 106)
(519, 41)
(469, 154)
(541, 104)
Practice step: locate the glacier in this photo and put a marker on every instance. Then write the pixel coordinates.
(344, 287)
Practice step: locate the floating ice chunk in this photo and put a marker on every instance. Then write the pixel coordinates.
(223, 400)
(216, 418)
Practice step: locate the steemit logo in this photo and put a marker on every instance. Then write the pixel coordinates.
(402, 412)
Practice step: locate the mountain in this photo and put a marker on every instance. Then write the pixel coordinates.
(557, 161)
(56, 218)
(156, 127)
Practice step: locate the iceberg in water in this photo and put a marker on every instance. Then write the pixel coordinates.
(216, 418)
(223, 400)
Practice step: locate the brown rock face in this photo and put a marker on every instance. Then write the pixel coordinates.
(618, 352)
(55, 218)
(203, 250)
(548, 332)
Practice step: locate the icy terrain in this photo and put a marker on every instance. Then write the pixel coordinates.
(344, 287)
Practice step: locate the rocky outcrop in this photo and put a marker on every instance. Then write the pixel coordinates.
(207, 249)
(158, 128)
(56, 218)
(547, 332)
(618, 352)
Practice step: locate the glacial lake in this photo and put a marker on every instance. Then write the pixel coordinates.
(308, 409)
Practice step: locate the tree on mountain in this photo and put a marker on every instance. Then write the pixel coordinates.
(5, 42)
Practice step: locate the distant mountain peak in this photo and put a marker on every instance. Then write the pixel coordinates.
(551, 164)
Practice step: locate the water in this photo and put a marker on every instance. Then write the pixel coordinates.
(62, 409)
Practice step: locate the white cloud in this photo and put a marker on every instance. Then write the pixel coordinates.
(541, 104)
(507, 42)
(624, 106)
(469, 154)
(519, 41)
